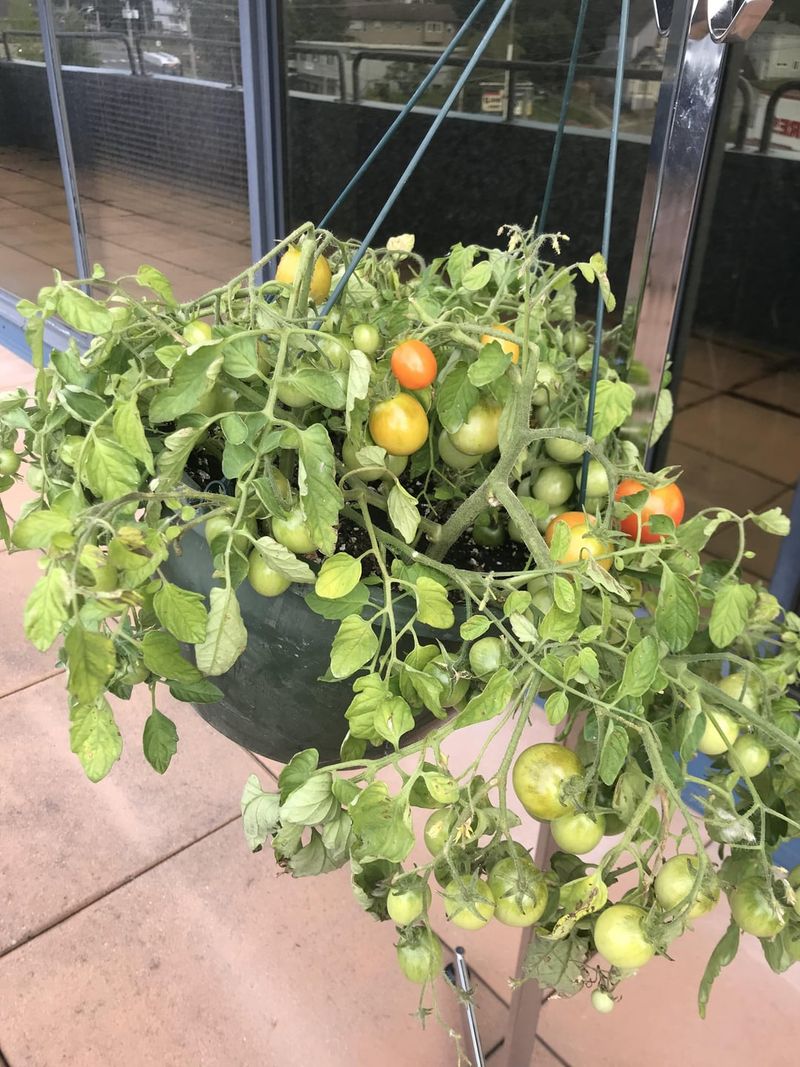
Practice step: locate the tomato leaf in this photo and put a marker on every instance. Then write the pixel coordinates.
(150, 278)
(351, 604)
(181, 612)
(81, 311)
(159, 740)
(556, 707)
(108, 468)
(46, 609)
(162, 655)
(320, 495)
(641, 667)
(723, 954)
(38, 528)
(90, 660)
(193, 376)
(677, 612)
(613, 406)
(403, 512)
(311, 803)
(382, 825)
(259, 813)
(171, 461)
(729, 612)
(491, 701)
(280, 559)
(491, 364)
(94, 738)
(297, 772)
(392, 719)
(773, 521)
(354, 645)
(433, 606)
(613, 754)
(338, 576)
(358, 378)
(557, 965)
(129, 431)
(474, 627)
(455, 395)
(226, 636)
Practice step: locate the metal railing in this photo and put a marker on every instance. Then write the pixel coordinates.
(296, 51)
(769, 114)
(74, 35)
(511, 67)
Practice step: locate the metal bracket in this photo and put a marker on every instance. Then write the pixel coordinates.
(723, 21)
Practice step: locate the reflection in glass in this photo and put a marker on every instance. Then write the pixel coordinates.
(34, 227)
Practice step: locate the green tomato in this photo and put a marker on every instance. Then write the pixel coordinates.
(674, 883)
(9, 461)
(407, 901)
(197, 332)
(720, 733)
(293, 532)
(291, 396)
(539, 775)
(736, 686)
(554, 485)
(486, 655)
(620, 938)
(602, 1002)
(420, 955)
(263, 578)
(468, 903)
(337, 349)
(563, 450)
(394, 464)
(220, 525)
(454, 687)
(548, 386)
(596, 480)
(480, 432)
(749, 756)
(755, 910)
(35, 478)
(366, 338)
(488, 530)
(519, 889)
(450, 455)
(576, 342)
(438, 828)
(579, 833)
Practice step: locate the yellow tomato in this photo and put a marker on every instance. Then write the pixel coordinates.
(320, 277)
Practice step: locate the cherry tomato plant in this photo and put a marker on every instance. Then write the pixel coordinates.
(605, 621)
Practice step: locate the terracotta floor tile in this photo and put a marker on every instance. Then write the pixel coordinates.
(23, 275)
(46, 229)
(751, 1017)
(718, 366)
(743, 434)
(59, 254)
(709, 481)
(215, 958)
(23, 216)
(14, 371)
(34, 198)
(20, 663)
(67, 841)
(782, 390)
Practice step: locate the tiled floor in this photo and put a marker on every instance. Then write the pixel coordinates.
(197, 241)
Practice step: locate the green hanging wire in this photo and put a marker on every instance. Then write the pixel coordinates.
(606, 241)
(562, 118)
(403, 114)
(441, 115)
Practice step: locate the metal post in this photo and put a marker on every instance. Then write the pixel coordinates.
(66, 158)
(264, 121)
(682, 134)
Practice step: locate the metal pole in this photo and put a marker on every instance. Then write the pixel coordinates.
(684, 123)
(264, 122)
(66, 158)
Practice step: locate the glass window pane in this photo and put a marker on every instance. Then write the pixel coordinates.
(34, 227)
(155, 109)
(351, 67)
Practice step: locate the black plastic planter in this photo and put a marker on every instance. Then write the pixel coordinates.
(274, 703)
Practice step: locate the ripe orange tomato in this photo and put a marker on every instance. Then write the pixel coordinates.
(511, 348)
(668, 500)
(581, 542)
(399, 425)
(413, 364)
